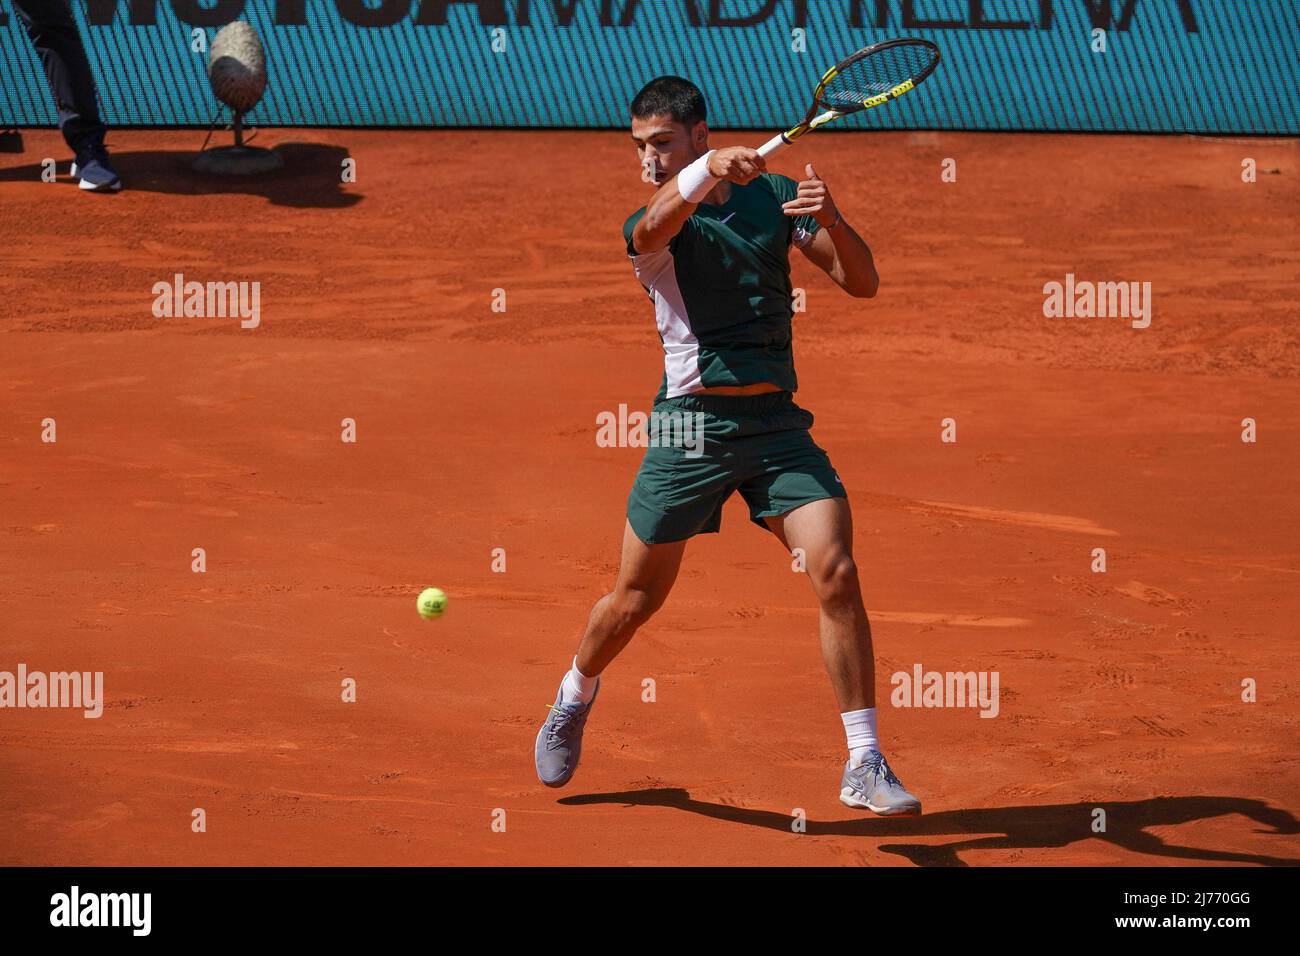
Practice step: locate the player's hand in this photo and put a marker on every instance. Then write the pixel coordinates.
(812, 199)
(736, 164)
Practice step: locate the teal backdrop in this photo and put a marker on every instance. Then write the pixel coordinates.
(1221, 66)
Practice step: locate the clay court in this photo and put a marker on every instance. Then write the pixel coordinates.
(476, 430)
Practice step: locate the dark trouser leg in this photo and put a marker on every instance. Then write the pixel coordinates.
(53, 32)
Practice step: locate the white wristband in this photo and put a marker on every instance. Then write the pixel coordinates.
(695, 181)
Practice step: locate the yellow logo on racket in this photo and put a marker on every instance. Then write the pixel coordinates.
(898, 90)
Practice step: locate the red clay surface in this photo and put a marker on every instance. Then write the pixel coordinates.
(476, 430)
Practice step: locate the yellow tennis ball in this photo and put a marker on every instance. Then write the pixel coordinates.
(431, 603)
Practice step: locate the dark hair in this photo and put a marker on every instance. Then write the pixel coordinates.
(680, 99)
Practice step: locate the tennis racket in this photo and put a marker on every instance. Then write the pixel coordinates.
(872, 76)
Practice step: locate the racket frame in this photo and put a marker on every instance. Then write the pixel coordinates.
(813, 119)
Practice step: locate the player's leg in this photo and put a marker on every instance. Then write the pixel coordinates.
(794, 491)
(645, 576)
(678, 493)
(823, 531)
(53, 31)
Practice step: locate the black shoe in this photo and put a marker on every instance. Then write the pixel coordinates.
(94, 170)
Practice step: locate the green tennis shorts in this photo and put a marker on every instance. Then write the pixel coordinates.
(703, 448)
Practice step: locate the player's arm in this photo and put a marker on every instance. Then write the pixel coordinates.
(677, 199)
(836, 249)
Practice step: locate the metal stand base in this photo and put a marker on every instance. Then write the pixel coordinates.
(237, 160)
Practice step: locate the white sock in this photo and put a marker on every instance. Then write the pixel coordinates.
(860, 728)
(577, 687)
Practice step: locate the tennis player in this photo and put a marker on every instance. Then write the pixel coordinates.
(711, 250)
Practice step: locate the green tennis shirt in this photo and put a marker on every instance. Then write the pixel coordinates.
(721, 289)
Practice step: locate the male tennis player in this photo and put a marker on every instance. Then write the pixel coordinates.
(712, 251)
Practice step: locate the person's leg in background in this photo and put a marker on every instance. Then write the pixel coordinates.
(53, 31)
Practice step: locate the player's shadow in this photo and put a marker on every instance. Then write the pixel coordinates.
(1001, 828)
(310, 178)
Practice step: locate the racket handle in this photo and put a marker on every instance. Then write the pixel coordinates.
(773, 145)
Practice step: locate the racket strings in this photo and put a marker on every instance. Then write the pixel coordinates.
(874, 74)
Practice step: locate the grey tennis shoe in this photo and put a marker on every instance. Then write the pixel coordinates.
(93, 171)
(559, 742)
(874, 787)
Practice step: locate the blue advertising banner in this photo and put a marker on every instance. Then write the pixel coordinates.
(1224, 66)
